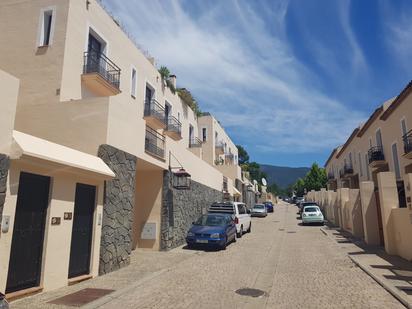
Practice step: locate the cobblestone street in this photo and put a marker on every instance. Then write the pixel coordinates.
(297, 267)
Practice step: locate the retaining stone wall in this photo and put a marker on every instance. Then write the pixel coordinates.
(4, 170)
(180, 208)
(119, 199)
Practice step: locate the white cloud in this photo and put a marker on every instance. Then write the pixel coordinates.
(241, 69)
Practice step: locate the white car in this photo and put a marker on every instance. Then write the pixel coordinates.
(243, 220)
(312, 214)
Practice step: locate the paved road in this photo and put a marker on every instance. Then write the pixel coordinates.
(297, 267)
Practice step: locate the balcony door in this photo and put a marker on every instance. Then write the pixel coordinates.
(94, 50)
(379, 139)
(190, 134)
(148, 95)
(168, 112)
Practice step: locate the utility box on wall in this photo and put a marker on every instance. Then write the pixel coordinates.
(149, 231)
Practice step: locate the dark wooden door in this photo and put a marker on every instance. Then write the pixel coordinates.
(28, 232)
(82, 231)
(380, 223)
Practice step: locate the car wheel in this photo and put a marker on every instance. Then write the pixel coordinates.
(240, 233)
(250, 228)
(223, 247)
(234, 238)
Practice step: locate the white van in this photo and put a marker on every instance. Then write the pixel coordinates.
(243, 220)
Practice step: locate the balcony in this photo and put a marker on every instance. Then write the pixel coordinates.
(347, 170)
(331, 176)
(229, 157)
(100, 75)
(173, 128)
(155, 143)
(220, 148)
(195, 143)
(376, 157)
(407, 145)
(154, 114)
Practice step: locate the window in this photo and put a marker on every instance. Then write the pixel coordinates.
(241, 209)
(360, 164)
(379, 138)
(133, 81)
(204, 134)
(396, 161)
(46, 27)
(367, 166)
(403, 127)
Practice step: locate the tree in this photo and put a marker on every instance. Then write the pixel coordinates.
(242, 154)
(316, 178)
(299, 187)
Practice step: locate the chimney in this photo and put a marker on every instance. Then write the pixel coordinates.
(173, 80)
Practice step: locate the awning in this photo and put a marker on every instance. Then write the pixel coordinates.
(236, 192)
(42, 149)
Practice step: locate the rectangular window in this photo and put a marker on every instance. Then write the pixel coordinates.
(360, 164)
(396, 161)
(46, 27)
(367, 166)
(204, 134)
(133, 81)
(403, 127)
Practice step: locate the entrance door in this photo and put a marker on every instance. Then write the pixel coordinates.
(82, 231)
(380, 224)
(28, 232)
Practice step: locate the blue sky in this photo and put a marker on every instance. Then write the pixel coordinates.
(289, 80)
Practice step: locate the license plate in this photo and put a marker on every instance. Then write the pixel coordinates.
(201, 241)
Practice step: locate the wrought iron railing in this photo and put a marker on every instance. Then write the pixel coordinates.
(348, 169)
(407, 142)
(375, 154)
(174, 125)
(195, 142)
(154, 109)
(97, 62)
(229, 156)
(155, 143)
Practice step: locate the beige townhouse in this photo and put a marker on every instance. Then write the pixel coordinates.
(220, 152)
(369, 178)
(98, 148)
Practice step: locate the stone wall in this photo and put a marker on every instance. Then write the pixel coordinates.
(180, 208)
(119, 198)
(4, 169)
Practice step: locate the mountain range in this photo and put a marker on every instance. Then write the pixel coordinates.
(283, 176)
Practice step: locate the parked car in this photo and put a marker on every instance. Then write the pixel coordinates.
(299, 199)
(243, 219)
(303, 204)
(3, 302)
(269, 206)
(259, 210)
(214, 229)
(312, 214)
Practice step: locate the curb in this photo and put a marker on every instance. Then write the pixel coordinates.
(393, 291)
(366, 269)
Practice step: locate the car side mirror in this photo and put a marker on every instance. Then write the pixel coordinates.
(248, 211)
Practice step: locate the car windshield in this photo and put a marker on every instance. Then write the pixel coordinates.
(210, 220)
(311, 209)
(259, 206)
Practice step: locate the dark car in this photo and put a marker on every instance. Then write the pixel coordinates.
(3, 302)
(303, 204)
(213, 229)
(269, 206)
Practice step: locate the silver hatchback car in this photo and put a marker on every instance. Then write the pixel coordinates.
(259, 210)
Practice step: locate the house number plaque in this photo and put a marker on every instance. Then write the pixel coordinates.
(68, 215)
(55, 221)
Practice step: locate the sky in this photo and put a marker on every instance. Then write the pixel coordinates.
(288, 79)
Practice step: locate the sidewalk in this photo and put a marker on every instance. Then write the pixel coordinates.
(391, 272)
(144, 265)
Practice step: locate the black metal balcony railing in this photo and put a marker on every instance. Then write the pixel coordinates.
(195, 142)
(174, 125)
(375, 154)
(155, 143)
(154, 109)
(407, 142)
(229, 156)
(348, 169)
(97, 62)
